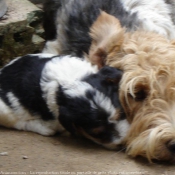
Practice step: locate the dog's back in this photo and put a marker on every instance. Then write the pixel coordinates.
(74, 19)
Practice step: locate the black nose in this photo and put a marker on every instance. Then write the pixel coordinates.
(171, 146)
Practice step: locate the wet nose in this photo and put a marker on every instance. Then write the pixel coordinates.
(171, 146)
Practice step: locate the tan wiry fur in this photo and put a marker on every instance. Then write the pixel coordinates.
(147, 88)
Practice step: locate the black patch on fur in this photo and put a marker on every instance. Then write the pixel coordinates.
(107, 82)
(76, 113)
(104, 81)
(51, 8)
(4, 98)
(22, 78)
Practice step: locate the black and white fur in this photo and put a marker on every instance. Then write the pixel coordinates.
(67, 23)
(47, 94)
(72, 20)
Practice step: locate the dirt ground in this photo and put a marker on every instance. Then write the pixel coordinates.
(30, 153)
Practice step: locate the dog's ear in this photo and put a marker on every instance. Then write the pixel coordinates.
(107, 36)
(111, 74)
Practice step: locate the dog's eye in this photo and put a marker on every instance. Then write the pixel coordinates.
(140, 95)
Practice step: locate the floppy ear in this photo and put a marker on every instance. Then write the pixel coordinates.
(107, 36)
(111, 74)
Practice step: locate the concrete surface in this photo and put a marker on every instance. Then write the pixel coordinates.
(30, 153)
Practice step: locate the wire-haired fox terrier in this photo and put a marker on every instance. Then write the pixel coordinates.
(142, 49)
(48, 94)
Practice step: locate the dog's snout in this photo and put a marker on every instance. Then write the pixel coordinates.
(171, 146)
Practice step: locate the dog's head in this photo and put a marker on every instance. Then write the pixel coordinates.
(91, 107)
(147, 87)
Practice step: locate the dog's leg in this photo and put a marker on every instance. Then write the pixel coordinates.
(40, 126)
(26, 122)
(6, 117)
(16, 116)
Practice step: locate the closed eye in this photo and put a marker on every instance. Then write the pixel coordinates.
(140, 95)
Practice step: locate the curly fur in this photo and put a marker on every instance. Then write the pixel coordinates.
(147, 88)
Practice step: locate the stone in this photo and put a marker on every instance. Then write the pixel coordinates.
(24, 157)
(21, 33)
(3, 8)
(4, 154)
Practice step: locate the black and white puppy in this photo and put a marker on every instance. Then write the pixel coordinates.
(47, 94)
